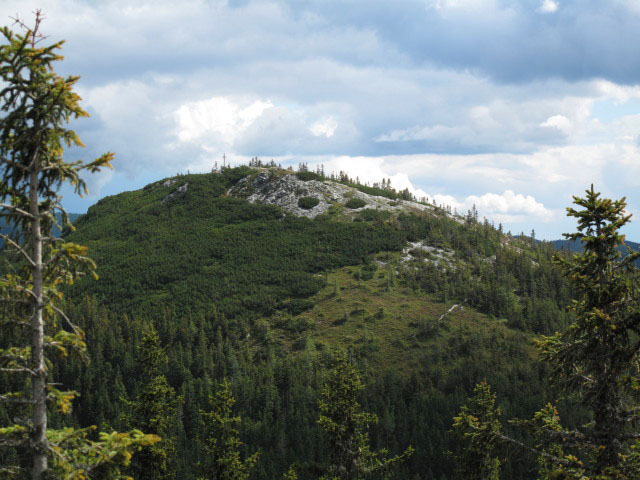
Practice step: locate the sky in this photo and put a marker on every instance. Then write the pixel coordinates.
(512, 105)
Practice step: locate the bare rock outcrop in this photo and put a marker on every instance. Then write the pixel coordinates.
(286, 191)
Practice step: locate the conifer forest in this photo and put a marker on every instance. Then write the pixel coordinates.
(261, 322)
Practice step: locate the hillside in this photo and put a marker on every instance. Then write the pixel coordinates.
(258, 274)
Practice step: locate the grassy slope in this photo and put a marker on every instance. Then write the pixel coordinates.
(202, 256)
(203, 251)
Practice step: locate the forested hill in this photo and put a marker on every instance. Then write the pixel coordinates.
(259, 275)
(575, 246)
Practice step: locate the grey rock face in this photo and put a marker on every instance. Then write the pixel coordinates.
(285, 191)
(178, 191)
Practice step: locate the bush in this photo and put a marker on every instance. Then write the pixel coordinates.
(370, 214)
(296, 306)
(366, 274)
(308, 202)
(306, 176)
(354, 203)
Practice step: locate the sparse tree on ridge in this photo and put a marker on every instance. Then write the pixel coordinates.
(37, 104)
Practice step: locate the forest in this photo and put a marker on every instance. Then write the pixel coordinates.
(179, 332)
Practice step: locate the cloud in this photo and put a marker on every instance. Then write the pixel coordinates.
(324, 128)
(510, 204)
(217, 116)
(548, 6)
(560, 122)
(451, 98)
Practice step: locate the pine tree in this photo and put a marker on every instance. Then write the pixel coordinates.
(36, 105)
(223, 444)
(341, 416)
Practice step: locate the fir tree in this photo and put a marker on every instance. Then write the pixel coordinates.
(224, 461)
(36, 105)
(154, 411)
(341, 416)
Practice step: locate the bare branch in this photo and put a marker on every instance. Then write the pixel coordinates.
(452, 309)
(19, 370)
(22, 401)
(11, 321)
(560, 461)
(70, 324)
(16, 209)
(26, 256)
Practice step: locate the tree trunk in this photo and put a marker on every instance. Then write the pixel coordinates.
(39, 443)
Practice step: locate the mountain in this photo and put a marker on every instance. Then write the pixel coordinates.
(6, 230)
(576, 247)
(259, 274)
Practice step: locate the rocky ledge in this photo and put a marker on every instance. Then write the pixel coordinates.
(286, 191)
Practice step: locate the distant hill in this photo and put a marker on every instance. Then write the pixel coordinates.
(4, 228)
(575, 246)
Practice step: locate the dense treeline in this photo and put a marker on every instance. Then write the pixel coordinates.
(211, 273)
(519, 284)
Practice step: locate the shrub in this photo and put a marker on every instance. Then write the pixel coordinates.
(296, 306)
(354, 203)
(306, 176)
(370, 214)
(308, 202)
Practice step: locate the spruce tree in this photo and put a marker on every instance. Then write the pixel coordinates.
(597, 359)
(154, 410)
(341, 416)
(37, 104)
(224, 459)
(595, 362)
(479, 435)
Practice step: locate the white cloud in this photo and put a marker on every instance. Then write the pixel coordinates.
(324, 128)
(548, 6)
(507, 207)
(217, 116)
(560, 122)
(509, 202)
(617, 93)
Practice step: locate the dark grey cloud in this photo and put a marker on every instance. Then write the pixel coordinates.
(510, 41)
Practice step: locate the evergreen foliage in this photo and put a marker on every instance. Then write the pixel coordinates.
(37, 104)
(355, 203)
(308, 202)
(595, 362)
(341, 416)
(597, 358)
(154, 410)
(237, 291)
(479, 433)
(223, 460)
